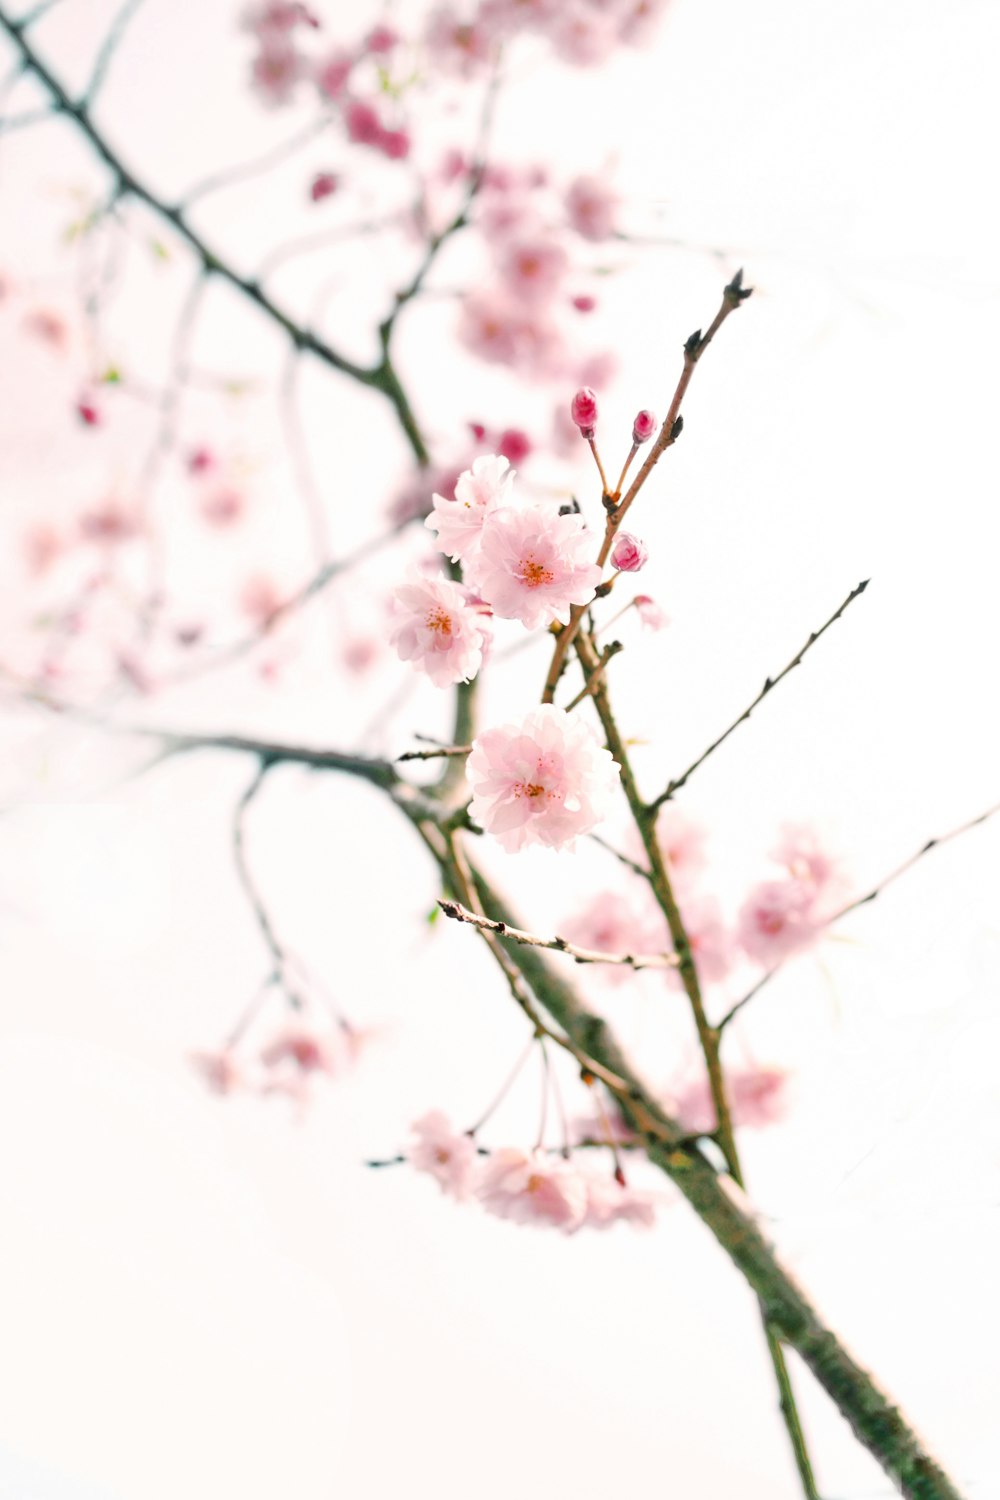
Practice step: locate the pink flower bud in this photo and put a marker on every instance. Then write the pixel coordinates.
(584, 303)
(643, 427)
(322, 186)
(89, 412)
(583, 410)
(629, 554)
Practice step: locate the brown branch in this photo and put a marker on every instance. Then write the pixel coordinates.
(639, 961)
(769, 684)
(435, 754)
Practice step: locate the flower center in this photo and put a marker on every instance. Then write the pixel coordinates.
(533, 573)
(439, 621)
(528, 789)
(534, 1183)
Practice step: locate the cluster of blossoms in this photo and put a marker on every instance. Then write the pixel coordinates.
(581, 32)
(287, 1062)
(527, 1187)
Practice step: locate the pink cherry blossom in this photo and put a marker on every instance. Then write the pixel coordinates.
(201, 460)
(42, 545)
(295, 1057)
(220, 1070)
(777, 919)
(323, 185)
(682, 842)
(277, 70)
(650, 614)
(541, 780)
(757, 1097)
(803, 856)
(533, 268)
(478, 492)
(514, 445)
(260, 599)
(362, 123)
(610, 1202)
(438, 630)
(500, 329)
(710, 940)
(583, 410)
(222, 506)
(460, 46)
(380, 40)
(583, 36)
(618, 922)
(450, 1158)
(109, 522)
(47, 326)
(629, 554)
(532, 565)
(331, 74)
(529, 1189)
(592, 205)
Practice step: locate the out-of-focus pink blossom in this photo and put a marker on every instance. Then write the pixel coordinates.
(599, 369)
(505, 17)
(359, 654)
(544, 779)
(532, 269)
(295, 1057)
(533, 565)
(110, 523)
(710, 940)
(456, 45)
(331, 74)
(438, 631)
(618, 922)
(362, 123)
(591, 206)
(532, 1190)
(478, 492)
(497, 328)
(629, 554)
(450, 1157)
(643, 427)
(757, 1097)
(47, 326)
(584, 303)
(277, 71)
(650, 613)
(89, 412)
(514, 445)
(395, 144)
(323, 185)
(583, 410)
(777, 919)
(260, 599)
(803, 856)
(583, 36)
(610, 1202)
(201, 460)
(222, 506)
(221, 1071)
(682, 842)
(380, 40)
(277, 17)
(42, 545)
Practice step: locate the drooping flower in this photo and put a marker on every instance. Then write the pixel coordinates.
(533, 268)
(629, 554)
(778, 918)
(542, 780)
(438, 630)
(618, 922)
(591, 206)
(448, 1156)
(651, 616)
(532, 565)
(478, 492)
(803, 856)
(532, 1190)
(610, 1202)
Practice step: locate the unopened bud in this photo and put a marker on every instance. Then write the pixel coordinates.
(628, 554)
(583, 410)
(643, 427)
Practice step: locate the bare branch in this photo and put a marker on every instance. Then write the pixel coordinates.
(459, 913)
(769, 684)
(109, 47)
(435, 754)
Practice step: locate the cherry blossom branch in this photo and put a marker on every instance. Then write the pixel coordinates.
(769, 684)
(876, 890)
(640, 961)
(732, 297)
(434, 754)
(277, 951)
(274, 157)
(109, 47)
(381, 377)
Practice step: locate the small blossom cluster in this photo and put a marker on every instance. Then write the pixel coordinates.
(289, 1061)
(348, 79)
(527, 1187)
(783, 916)
(580, 32)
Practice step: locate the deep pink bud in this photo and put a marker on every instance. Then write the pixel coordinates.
(322, 186)
(643, 427)
(89, 412)
(583, 410)
(584, 303)
(395, 144)
(514, 445)
(478, 431)
(629, 554)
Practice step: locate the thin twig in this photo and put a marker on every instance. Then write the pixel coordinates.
(637, 961)
(109, 47)
(769, 684)
(435, 754)
(876, 890)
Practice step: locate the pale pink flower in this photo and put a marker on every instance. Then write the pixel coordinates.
(802, 855)
(583, 37)
(629, 554)
(438, 630)
(220, 1070)
(639, 20)
(532, 565)
(756, 1098)
(323, 185)
(110, 523)
(296, 1056)
(380, 40)
(532, 269)
(260, 599)
(499, 329)
(592, 205)
(463, 47)
(277, 70)
(331, 74)
(478, 491)
(222, 506)
(541, 780)
(532, 1190)
(42, 545)
(450, 1158)
(777, 919)
(599, 369)
(610, 1202)
(618, 922)
(49, 327)
(682, 842)
(651, 616)
(504, 17)
(710, 940)
(201, 460)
